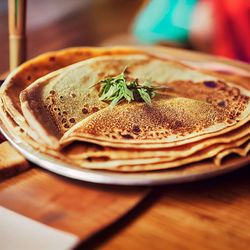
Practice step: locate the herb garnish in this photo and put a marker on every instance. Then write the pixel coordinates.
(117, 88)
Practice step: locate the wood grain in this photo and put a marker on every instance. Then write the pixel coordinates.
(75, 207)
(213, 214)
(11, 161)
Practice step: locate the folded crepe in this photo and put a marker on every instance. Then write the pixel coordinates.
(39, 66)
(238, 151)
(94, 152)
(159, 164)
(62, 107)
(95, 156)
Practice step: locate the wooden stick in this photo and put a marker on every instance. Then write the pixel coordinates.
(17, 32)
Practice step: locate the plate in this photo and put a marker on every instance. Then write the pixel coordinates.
(193, 172)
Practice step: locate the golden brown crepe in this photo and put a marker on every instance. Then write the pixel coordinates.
(135, 166)
(240, 151)
(209, 107)
(113, 158)
(117, 158)
(39, 66)
(102, 160)
(92, 152)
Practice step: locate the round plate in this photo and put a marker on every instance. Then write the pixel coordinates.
(192, 172)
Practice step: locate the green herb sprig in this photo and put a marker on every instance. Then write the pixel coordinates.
(116, 89)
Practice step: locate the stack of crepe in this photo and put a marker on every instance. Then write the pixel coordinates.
(49, 103)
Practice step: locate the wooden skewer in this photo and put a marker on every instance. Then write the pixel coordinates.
(17, 32)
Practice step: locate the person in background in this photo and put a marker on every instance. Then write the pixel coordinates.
(220, 27)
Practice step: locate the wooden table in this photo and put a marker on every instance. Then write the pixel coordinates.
(212, 214)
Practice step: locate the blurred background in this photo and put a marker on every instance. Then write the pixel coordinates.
(220, 27)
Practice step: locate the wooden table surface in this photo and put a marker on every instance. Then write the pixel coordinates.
(212, 214)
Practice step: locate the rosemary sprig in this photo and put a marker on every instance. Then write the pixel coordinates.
(116, 89)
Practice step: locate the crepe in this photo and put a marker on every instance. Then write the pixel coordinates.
(211, 107)
(159, 164)
(95, 156)
(113, 158)
(118, 165)
(92, 152)
(57, 101)
(19, 134)
(192, 110)
(239, 151)
(35, 68)
(101, 129)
